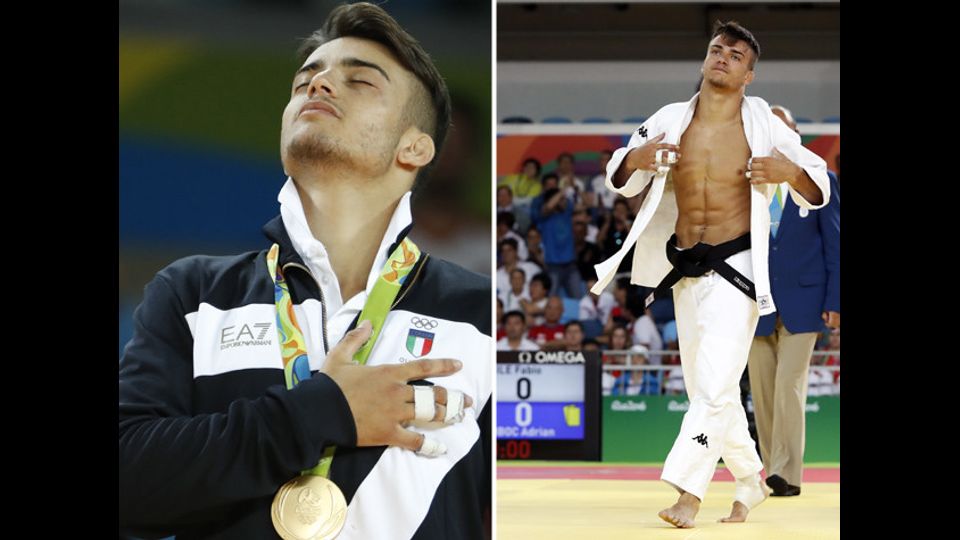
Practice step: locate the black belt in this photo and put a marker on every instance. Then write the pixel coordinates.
(699, 260)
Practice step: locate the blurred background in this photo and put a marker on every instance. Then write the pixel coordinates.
(202, 86)
(617, 61)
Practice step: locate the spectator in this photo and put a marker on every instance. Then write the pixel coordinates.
(549, 333)
(517, 292)
(588, 253)
(509, 257)
(505, 222)
(536, 305)
(573, 336)
(596, 307)
(526, 184)
(614, 232)
(552, 214)
(515, 325)
(605, 197)
(504, 199)
(619, 340)
(645, 333)
(535, 247)
(569, 182)
(642, 381)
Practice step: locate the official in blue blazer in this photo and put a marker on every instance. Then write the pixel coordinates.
(805, 283)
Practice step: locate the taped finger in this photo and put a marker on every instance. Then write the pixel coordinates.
(423, 405)
(431, 448)
(454, 407)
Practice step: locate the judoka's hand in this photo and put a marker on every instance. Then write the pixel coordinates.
(772, 170)
(380, 399)
(831, 319)
(645, 156)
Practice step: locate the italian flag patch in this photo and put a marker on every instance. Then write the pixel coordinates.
(419, 342)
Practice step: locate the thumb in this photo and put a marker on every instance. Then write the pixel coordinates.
(351, 343)
(659, 137)
(824, 316)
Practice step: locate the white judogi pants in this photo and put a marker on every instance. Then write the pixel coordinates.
(715, 326)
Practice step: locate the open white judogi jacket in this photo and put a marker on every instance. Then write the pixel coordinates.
(657, 218)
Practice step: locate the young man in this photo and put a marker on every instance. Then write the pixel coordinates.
(515, 323)
(712, 165)
(218, 420)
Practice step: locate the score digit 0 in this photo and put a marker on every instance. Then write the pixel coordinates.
(520, 388)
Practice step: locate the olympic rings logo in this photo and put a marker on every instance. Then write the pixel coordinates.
(424, 323)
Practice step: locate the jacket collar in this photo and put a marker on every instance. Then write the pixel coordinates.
(277, 231)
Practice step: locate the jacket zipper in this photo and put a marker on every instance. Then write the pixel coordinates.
(323, 302)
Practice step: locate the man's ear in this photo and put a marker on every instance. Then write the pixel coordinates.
(416, 149)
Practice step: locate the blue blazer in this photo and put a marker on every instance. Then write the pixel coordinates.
(805, 266)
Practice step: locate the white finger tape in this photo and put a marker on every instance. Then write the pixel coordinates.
(423, 405)
(454, 407)
(432, 448)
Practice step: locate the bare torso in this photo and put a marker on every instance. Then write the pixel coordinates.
(712, 190)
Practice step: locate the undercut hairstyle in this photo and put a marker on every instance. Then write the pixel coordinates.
(428, 107)
(732, 33)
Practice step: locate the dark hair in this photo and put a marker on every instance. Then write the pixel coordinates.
(733, 32)
(512, 242)
(544, 280)
(514, 313)
(623, 283)
(567, 155)
(549, 176)
(522, 272)
(507, 218)
(506, 187)
(536, 163)
(429, 108)
(573, 323)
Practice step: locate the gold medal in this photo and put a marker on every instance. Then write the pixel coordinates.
(308, 507)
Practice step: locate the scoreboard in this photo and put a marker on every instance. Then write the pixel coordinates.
(548, 405)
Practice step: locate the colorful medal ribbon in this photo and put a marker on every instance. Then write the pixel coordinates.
(293, 348)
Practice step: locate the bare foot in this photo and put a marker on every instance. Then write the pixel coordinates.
(737, 515)
(682, 513)
(749, 493)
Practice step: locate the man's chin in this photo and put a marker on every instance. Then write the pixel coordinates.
(314, 148)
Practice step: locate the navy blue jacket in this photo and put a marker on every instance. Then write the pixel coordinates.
(805, 266)
(202, 455)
